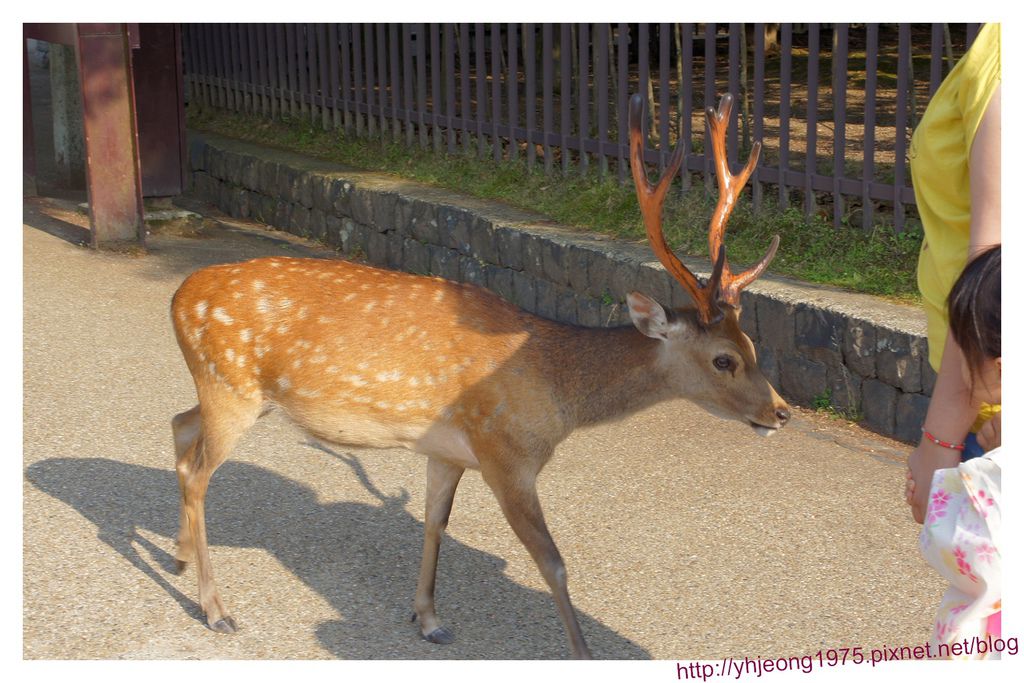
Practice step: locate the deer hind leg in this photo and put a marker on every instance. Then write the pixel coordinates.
(516, 491)
(442, 480)
(185, 427)
(217, 423)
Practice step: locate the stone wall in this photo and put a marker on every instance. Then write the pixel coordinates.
(868, 357)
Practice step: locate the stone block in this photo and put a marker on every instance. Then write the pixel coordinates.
(554, 253)
(359, 239)
(819, 333)
(510, 246)
(376, 247)
(566, 310)
(928, 375)
(878, 403)
(196, 155)
(361, 206)
(382, 207)
(845, 389)
(533, 253)
(859, 347)
(302, 189)
(340, 196)
(251, 173)
(300, 221)
(499, 281)
(321, 186)
(444, 262)
(588, 311)
(232, 167)
(748, 314)
(454, 225)
(547, 299)
(898, 358)
(416, 257)
(775, 324)
(318, 225)
(600, 266)
(268, 183)
(482, 241)
(653, 280)
(624, 278)
(422, 221)
(472, 271)
(332, 235)
(802, 380)
(769, 364)
(396, 250)
(576, 267)
(524, 291)
(215, 163)
(910, 413)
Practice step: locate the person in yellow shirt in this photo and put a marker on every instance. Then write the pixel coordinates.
(955, 164)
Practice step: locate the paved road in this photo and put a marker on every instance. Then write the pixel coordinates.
(684, 536)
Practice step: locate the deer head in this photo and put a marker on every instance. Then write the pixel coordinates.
(708, 354)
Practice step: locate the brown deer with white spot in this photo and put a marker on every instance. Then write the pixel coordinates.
(364, 357)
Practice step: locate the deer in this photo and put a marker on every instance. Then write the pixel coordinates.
(358, 356)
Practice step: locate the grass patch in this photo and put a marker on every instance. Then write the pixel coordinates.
(878, 263)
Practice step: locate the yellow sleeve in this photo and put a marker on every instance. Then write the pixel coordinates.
(986, 68)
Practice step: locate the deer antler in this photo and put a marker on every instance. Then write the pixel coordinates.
(729, 188)
(651, 199)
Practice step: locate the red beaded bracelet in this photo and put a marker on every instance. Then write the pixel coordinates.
(939, 442)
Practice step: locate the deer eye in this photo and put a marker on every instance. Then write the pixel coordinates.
(724, 362)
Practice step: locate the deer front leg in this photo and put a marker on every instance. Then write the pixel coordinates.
(516, 491)
(442, 480)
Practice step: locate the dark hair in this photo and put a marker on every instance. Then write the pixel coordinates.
(975, 305)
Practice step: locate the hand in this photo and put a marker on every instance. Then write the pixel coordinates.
(989, 436)
(925, 459)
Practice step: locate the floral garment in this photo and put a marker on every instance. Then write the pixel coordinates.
(961, 540)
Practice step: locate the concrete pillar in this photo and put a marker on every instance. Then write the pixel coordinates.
(68, 130)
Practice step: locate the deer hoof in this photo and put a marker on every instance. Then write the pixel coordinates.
(179, 567)
(225, 625)
(440, 635)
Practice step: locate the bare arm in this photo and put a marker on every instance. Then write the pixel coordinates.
(951, 411)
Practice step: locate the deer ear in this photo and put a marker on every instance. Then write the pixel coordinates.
(648, 315)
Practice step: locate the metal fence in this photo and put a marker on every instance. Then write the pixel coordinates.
(833, 104)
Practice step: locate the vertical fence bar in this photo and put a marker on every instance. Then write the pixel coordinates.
(935, 64)
(255, 64)
(305, 94)
(664, 106)
(465, 96)
(870, 90)
(756, 187)
(839, 64)
(449, 49)
(293, 107)
(382, 79)
(217, 43)
(583, 101)
(281, 66)
(203, 63)
(359, 93)
(622, 101)
(785, 74)
(685, 101)
(902, 86)
(244, 67)
(231, 66)
(530, 63)
(335, 77)
(496, 89)
(312, 80)
(371, 87)
(325, 84)
(565, 93)
(396, 86)
(709, 96)
(811, 159)
(513, 93)
(480, 79)
(407, 47)
(547, 58)
(436, 95)
(644, 79)
(421, 83)
(347, 97)
(601, 95)
(734, 88)
(270, 64)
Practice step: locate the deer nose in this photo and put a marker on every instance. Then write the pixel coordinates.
(783, 414)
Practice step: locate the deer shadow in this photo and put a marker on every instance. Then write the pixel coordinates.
(363, 559)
